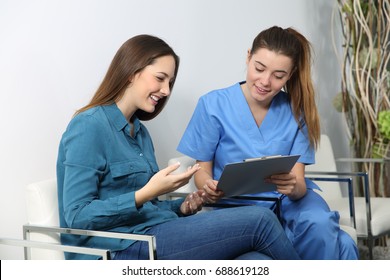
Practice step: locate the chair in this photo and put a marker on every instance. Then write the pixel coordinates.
(372, 214)
(41, 235)
(186, 161)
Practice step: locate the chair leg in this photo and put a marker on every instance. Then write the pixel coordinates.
(370, 245)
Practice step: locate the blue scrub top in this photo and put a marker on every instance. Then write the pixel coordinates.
(222, 129)
(99, 168)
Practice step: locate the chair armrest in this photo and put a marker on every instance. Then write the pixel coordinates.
(366, 185)
(368, 160)
(105, 254)
(27, 229)
(347, 180)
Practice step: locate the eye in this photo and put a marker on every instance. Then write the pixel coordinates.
(160, 79)
(259, 70)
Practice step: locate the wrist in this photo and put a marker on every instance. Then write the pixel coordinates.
(143, 195)
(298, 193)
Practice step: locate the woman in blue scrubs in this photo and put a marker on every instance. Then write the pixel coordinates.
(272, 112)
(108, 178)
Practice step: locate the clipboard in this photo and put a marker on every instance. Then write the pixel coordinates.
(247, 177)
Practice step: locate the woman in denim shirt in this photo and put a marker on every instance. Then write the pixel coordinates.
(108, 178)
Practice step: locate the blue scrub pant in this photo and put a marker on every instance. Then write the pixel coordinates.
(314, 230)
(247, 232)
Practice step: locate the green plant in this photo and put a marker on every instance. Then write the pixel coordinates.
(384, 124)
(365, 86)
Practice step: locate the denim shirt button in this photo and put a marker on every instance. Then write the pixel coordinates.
(141, 154)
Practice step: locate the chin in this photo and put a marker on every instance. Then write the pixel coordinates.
(259, 97)
(150, 110)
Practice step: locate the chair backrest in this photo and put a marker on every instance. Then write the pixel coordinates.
(42, 209)
(325, 161)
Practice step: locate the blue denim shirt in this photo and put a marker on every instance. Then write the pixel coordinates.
(99, 168)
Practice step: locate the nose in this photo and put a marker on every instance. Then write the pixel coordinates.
(265, 79)
(166, 90)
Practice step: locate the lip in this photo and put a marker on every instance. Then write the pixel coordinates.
(155, 99)
(261, 91)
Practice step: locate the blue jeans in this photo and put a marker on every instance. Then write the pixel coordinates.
(248, 232)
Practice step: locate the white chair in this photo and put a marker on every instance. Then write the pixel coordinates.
(372, 214)
(41, 235)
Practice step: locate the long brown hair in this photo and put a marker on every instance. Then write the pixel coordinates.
(299, 87)
(131, 58)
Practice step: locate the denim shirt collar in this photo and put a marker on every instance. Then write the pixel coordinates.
(118, 120)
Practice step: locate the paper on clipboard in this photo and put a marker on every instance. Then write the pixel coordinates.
(247, 177)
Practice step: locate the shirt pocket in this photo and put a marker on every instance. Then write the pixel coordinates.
(280, 147)
(133, 174)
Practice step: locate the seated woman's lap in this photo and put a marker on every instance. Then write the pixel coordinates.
(223, 234)
(310, 201)
(310, 209)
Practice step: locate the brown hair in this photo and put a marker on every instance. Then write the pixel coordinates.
(131, 58)
(299, 87)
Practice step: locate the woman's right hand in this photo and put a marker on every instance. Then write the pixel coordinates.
(167, 181)
(164, 182)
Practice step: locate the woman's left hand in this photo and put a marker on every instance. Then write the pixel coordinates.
(193, 203)
(290, 184)
(285, 183)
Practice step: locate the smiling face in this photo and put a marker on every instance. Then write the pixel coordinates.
(148, 87)
(267, 73)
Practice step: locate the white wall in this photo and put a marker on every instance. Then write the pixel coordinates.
(53, 55)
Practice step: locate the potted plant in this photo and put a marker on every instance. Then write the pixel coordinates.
(365, 86)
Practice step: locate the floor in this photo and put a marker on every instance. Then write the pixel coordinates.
(379, 252)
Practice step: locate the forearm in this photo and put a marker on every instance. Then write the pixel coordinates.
(101, 214)
(201, 177)
(205, 173)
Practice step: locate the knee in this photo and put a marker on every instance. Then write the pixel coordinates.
(265, 216)
(259, 214)
(263, 211)
(346, 239)
(348, 247)
(319, 222)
